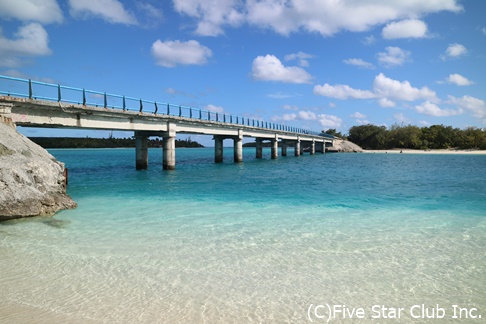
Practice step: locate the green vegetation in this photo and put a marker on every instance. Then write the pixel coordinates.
(412, 137)
(333, 132)
(111, 142)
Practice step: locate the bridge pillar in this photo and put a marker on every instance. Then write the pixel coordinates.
(313, 147)
(141, 151)
(6, 113)
(274, 145)
(218, 149)
(323, 147)
(169, 157)
(259, 150)
(238, 147)
(297, 147)
(284, 147)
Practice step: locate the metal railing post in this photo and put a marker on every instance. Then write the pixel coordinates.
(30, 89)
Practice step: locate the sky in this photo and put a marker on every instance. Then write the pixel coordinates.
(315, 64)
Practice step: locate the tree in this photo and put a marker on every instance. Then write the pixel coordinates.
(333, 132)
(404, 137)
(368, 136)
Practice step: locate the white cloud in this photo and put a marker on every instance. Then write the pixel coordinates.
(459, 80)
(30, 40)
(363, 121)
(359, 63)
(342, 91)
(211, 15)
(307, 115)
(269, 68)
(358, 115)
(301, 57)
(329, 121)
(385, 90)
(454, 51)
(173, 53)
(326, 17)
(369, 40)
(152, 16)
(279, 95)
(386, 103)
(400, 117)
(43, 11)
(285, 117)
(395, 90)
(431, 109)
(213, 108)
(300, 115)
(476, 106)
(109, 10)
(393, 56)
(289, 107)
(408, 28)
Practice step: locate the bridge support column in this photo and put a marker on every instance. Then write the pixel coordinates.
(284, 147)
(323, 147)
(218, 149)
(259, 150)
(313, 147)
(297, 147)
(274, 146)
(238, 147)
(6, 113)
(141, 151)
(168, 156)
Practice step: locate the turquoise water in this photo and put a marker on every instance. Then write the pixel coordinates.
(257, 242)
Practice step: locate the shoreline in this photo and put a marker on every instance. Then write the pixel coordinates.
(434, 151)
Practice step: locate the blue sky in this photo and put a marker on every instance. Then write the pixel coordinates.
(316, 64)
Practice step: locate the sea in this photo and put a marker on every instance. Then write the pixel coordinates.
(324, 238)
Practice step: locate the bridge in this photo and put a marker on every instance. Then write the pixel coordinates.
(30, 103)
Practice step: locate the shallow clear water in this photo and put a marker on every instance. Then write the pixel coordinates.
(257, 242)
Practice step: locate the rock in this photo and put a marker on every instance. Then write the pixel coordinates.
(344, 146)
(32, 182)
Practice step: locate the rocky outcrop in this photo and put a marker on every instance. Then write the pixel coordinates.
(32, 182)
(344, 146)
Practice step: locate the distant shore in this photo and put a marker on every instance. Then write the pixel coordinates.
(441, 151)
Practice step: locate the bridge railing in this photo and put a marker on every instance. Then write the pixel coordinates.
(27, 88)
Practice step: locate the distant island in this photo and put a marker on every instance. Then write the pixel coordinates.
(373, 137)
(111, 142)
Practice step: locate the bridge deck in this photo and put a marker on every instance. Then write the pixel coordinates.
(26, 108)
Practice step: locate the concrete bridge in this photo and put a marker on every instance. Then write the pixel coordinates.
(38, 104)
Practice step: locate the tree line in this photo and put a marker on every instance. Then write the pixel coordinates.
(414, 137)
(111, 142)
